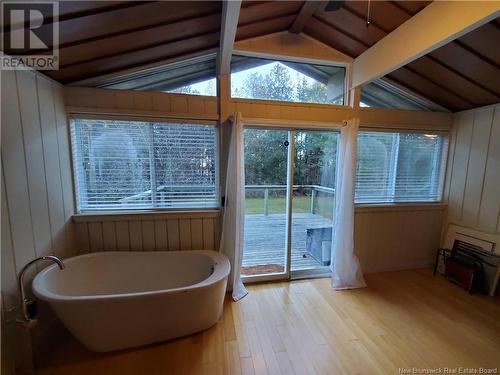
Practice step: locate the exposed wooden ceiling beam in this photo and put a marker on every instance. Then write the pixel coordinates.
(347, 20)
(338, 38)
(230, 16)
(433, 27)
(305, 15)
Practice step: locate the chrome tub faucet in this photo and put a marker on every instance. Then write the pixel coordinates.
(28, 306)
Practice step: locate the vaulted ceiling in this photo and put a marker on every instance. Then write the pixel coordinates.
(101, 37)
(460, 75)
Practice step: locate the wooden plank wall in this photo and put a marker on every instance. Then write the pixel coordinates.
(148, 232)
(387, 238)
(81, 99)
(323, 115)
(472, 185)
(287, 44)
(397, 238)
(37, 191)
(269, 113)
(37, 194)
(403, 119)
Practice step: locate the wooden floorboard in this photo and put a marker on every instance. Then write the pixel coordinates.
(402, 319)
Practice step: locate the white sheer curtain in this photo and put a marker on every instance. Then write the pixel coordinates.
(234, 208)
(346, 271)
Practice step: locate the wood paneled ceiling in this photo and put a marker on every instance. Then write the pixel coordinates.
(462, 74)
(101, 37)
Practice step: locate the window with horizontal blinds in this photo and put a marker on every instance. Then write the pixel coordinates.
(144, 165)
(400, 167)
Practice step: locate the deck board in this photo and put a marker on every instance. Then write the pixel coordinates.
(265, 239)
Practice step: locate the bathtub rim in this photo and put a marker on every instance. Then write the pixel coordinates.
(221, 271)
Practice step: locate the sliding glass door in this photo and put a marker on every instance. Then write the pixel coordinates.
(266, 176)
(289, 195)
(315, 155)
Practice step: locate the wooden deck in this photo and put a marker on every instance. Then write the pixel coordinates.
(265, 239)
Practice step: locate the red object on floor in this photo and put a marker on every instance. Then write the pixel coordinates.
(459, 273)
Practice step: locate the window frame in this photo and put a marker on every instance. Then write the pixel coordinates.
(295, 59)
(420, 103)
(119, 79)
(141, 118)
(442, 172)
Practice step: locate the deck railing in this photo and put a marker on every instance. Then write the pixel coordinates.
(266, 188)
(175, 195)
(185, 194)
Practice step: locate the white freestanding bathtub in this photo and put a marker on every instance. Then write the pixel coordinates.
(117, 300)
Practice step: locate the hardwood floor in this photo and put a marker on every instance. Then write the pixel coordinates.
(403, 319)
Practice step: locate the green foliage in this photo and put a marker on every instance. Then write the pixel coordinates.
(301, 204)
(276, 85)
(279, 85)
(206, 88)
(311, 92)
(185, 90)
(266, 157)
(276, 205)
(265, 150)
(315, 158)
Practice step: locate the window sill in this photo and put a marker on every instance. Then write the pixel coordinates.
(380, 207)
(152, 215)
(143, 215)
(296, 104)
